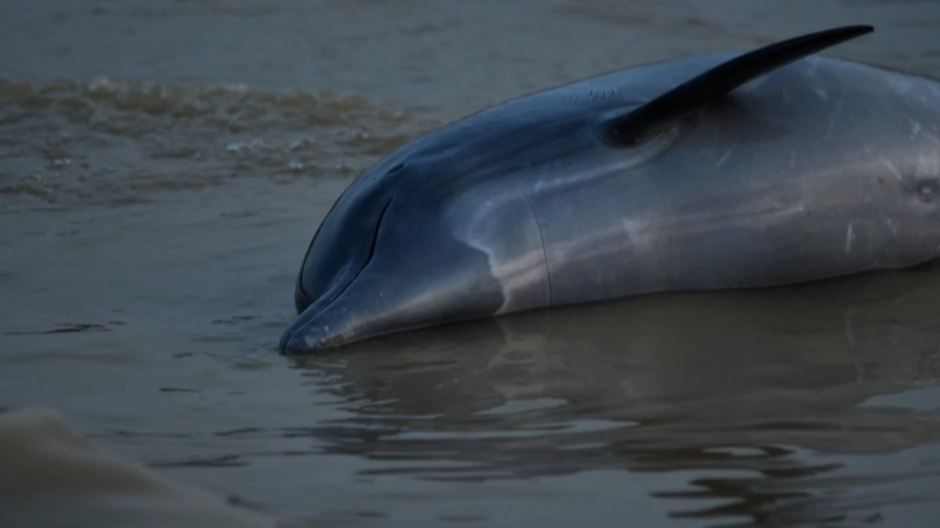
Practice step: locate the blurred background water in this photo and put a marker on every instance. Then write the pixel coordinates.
(164, 164)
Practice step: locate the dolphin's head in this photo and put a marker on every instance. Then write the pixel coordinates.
(388, 257)
(441, 230)
(344, 243)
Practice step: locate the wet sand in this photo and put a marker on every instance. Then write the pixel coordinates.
(163, 166)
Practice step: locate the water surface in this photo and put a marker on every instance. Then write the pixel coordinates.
(163, 165)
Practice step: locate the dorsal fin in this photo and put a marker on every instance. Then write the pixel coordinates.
(693, 96)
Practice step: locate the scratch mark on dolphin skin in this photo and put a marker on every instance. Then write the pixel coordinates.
(901, 85)
(752, 85)
(891, 168)
(928, 165)
(849, 334)
(672, 238)
(849, 237)
(892, 225)
(726, 155)
(636, 240)
(813, 66)
(836, 112)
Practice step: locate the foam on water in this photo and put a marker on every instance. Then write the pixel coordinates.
(67, 143)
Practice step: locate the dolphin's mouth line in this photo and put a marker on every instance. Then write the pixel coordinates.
(338, 294)
(300, 282)
(375, 240)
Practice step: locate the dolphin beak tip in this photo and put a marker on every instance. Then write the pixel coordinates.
(293, 344)
(306, 340)
(318, 329)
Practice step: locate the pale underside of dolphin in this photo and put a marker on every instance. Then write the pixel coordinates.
(713, 172)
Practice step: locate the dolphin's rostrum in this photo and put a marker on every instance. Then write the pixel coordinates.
(710, 172)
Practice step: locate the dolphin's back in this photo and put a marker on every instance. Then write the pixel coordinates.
(710, 172)
(819, 169)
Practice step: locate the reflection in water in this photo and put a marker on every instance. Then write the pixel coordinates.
(765, 389)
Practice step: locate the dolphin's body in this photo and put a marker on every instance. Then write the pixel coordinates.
(817, 169)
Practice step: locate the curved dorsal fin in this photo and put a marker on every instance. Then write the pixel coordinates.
(693, 96)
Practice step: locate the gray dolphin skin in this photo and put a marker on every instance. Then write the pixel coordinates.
(712, 172)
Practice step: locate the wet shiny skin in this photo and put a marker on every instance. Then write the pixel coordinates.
(820, 169)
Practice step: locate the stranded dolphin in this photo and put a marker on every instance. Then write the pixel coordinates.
(711, 172)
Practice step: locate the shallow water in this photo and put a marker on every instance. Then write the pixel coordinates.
(164, 164)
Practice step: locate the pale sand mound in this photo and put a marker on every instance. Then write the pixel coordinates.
(52, 476)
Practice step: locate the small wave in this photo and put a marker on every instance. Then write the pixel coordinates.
(69, 143)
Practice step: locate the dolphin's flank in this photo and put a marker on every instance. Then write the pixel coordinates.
(712, 172)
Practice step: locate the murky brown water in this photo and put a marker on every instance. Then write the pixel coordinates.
(163, 165)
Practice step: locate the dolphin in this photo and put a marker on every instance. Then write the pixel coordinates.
(722, 171)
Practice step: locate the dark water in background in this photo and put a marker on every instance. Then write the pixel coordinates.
(164, 164)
